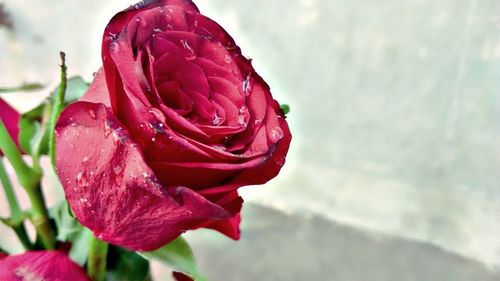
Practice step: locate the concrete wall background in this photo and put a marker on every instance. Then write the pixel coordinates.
(395, 114)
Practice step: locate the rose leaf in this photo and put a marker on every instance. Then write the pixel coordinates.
(178, 255)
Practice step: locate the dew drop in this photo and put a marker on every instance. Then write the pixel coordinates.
(117, 169)
(243, 109)
(247, 85)
(85, 159)
(257, 122)
(157, 114)
(241, 121)
(113, 47)
(169, 13)
(81, 180)
(92, 114)
(107, 127)
(158, 128)
(216, 120)
(280, 161)
(276, 134)
(153, 139)
(157, 30)
(191, 54)
(227, 58)
(220, 147)
(111, 36)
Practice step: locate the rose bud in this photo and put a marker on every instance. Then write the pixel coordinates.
(172, 125)
(40, 265)
(10, 118)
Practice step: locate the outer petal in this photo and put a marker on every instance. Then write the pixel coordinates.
(40, 265)
(181, 277)
(97, 91)
(111, 189)
(10, 118)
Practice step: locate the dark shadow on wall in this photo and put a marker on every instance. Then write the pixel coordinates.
(278, 246)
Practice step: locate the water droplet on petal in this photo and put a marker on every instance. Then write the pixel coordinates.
(227, 58)
(247, 85)
(107, 127)
(216, 120)
(241, 121)
(220, 147)
(85, 159)
(117, 169)
(81, 179)
(157, 114)
(243, 109)
(276, 134)
(92, 114)
(111, 36)
(157, 30)
(257, 122)
(191, 55)
(113, 47)
(280, 161)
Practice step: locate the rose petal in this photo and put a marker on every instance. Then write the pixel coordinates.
(10, 118)
(97, 91)
(179, 276)
(111, 189)
(41, 265)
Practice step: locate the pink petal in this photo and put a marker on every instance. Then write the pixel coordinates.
(41, 265)
(111, 189)
(10, 118)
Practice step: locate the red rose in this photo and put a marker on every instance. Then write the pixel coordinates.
(10, 118)
(40, 265)
(175, 122)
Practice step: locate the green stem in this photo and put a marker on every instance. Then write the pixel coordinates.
(40, 217)
(39, 138)
(57, 105)
(22, 235)
(16, 215)
(28, 178)
(96, 264)
(15, 210)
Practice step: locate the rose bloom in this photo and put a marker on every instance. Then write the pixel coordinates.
(172, 125)
(40, 266)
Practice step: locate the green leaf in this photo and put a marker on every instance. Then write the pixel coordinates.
(30, 131)
(23, 87)
(75, 88)
(285, 108)
(70, 230)
(178, 255)
(124, 265)
(80, 246)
